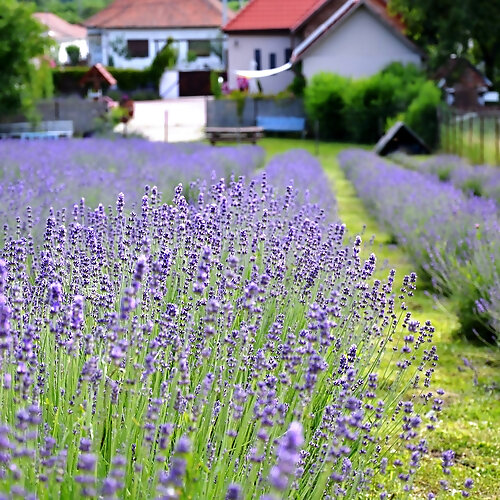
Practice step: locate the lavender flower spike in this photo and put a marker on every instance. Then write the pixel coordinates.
(288, 456)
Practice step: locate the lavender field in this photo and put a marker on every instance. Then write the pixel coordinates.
(184, 322)
(452, 237)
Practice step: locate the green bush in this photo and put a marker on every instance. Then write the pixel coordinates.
(215, 86)
(73, 52)
(325, 101)
(165, 59)
(361, 110)
(132, 79)
(67, 80)
(421, 115)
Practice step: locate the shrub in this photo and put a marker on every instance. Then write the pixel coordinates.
(421, 115)
(165, 59)
(73, 52)
(361, 110)
(215, 86)
(325, 101)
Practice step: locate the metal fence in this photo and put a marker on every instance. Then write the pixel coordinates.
(474, 135)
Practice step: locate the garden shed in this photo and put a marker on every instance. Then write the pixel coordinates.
(401, 138)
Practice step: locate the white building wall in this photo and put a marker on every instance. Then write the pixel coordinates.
(241, 53)
(156, 40)
(361, 46)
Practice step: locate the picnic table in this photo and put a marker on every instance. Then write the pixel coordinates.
(234, 134)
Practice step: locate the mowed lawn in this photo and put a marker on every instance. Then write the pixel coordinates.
(470, 374)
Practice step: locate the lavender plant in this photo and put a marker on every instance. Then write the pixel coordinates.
(453, 238)
(236, 347)
(474, 180)
(41, 173)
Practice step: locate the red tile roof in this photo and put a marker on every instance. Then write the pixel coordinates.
(61, 29)
(158, 14)
(272, 15)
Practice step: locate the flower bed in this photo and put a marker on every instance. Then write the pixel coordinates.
(44, 174)
(233, 347)
(476, 180)
(453, 238)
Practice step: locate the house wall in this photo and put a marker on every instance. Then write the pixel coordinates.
(361, 46)
(102, 43)
(241, 53)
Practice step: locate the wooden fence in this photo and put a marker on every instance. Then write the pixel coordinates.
(473, 134)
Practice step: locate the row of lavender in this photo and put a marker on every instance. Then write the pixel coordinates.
(41, 174)
(453, 238)
(233, 347)
(476, 180)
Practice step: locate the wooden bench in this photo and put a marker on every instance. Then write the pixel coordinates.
(234, 134)
(282, 123)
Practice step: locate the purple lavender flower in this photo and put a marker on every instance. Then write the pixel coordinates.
(287, 456)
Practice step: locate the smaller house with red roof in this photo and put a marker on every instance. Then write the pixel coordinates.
(129, 33)
(353, 38)
(64, 34)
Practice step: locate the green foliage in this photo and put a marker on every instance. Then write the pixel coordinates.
(240, 97)
(165, 59)
(22, 45)
(422, 113)
(325, 100)
(74, 11)
(73, 52)
(360, 110)
(468, 28)
(67, 80)
(215, 86)
(298, 84)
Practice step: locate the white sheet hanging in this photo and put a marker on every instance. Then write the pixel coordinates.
(251, 73)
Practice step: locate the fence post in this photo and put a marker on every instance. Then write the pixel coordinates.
(481, 138)
(471, 136)
(497, 140)
(460, 145)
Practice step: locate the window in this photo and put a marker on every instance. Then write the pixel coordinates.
(138, 48)
(199, 48)
(272, 60)
(288, 55)
(257, 59)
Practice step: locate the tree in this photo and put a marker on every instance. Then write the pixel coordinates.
(468, 27)
(22, 46)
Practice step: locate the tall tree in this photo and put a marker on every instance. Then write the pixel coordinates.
(21, 46)
(468, 27)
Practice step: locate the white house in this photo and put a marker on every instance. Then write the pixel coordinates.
(129, 33)
(64, 34)
(352, 38)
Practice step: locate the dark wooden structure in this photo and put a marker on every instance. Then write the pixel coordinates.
(234, 134)
(462, 82)
(401, 138)
(97, 79)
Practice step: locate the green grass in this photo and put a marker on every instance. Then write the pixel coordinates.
(469, 423)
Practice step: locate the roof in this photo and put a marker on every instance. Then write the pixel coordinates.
(460, 69)
(59, 29)
(260, 15)
(401, 137)
(376, 7)
(98, 73)
(159, 14)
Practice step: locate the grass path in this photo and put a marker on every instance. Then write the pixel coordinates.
(470, 423)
